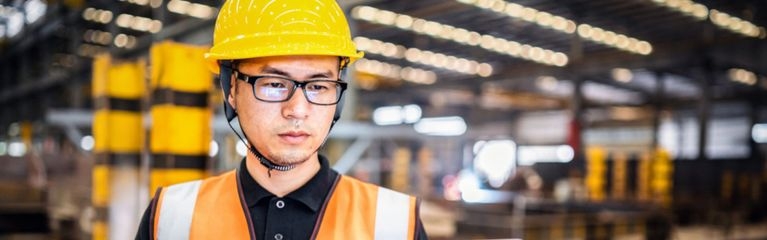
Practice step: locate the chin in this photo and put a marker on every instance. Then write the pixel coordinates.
(292, 157)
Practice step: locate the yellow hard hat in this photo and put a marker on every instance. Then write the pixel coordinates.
(261, 28)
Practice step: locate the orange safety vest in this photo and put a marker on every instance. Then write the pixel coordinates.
(215, 208)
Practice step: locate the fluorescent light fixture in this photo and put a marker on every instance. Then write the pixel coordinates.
(686, 7)
(622, 75)
(416, 55)
(393, 115)
(736, 25)
(540, 18)
(460, 35)
(495, 159)
(614, 39)
(17, 149)
(213, 151)
(34, 9)
(191, 9)
(97, 15)
(742, 76)
(389, 115)
(468, 185)
(414, 75)
(138, 23)
(87, 143)
(14, 23)
(759, 133)
(412, 113)
(441, 126)
(558, 23)
(529, 155)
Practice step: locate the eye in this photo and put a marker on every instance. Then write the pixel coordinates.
(272, 83)
(321, 86)
(316, 87)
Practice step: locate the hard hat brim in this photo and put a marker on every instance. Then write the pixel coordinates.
(312, 43)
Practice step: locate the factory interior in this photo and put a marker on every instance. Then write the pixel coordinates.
(509, 119)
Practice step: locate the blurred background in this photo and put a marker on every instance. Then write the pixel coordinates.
(533, 119)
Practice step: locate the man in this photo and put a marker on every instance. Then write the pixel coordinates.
(280, 65)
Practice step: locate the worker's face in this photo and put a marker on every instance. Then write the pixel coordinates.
(287, 132)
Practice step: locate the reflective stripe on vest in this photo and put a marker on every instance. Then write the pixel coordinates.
(177, 206)
(392, 212)
(354, 210)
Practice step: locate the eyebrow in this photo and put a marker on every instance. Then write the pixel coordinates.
(271, 70)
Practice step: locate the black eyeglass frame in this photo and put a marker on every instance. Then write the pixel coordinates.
(296, 84)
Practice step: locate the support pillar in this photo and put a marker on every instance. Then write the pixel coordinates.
(118, 133)
(181, 116)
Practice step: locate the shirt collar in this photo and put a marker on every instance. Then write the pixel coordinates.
(312, 194)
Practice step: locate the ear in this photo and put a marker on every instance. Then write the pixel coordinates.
(232, 92)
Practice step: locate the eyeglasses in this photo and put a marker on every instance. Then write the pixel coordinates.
(269, 88)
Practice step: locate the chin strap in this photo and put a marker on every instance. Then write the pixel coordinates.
(269, 164)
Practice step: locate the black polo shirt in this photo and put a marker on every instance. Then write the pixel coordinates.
(290, 217)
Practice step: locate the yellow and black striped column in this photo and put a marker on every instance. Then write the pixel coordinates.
(643, 177)
(181, 116)
(662, 177)
(620, 166)
(118, 133)
(596, 173)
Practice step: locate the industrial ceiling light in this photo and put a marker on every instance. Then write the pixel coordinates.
(191, 9)
(34, 10)
(416, 55)
(138, 23)
(736, 25)
(686, 7)
(613, 39)
(97, 15)
(415, 75)
(393, 115)
(496, 160)
(759, 133)
(561, 24)
(441, 126)
(459, 35)
(96, 36)
(540, 18)
(14, 24)
(622, 75)
(742, 76)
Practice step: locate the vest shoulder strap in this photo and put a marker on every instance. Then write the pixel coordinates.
(393, 215)
(202, 209)
(176, 207)
(359, 210)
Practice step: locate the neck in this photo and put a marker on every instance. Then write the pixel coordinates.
(281, 183)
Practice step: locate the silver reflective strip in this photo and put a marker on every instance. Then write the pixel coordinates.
(176, 211)
(392, 215)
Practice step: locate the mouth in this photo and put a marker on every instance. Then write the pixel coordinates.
(293, 137)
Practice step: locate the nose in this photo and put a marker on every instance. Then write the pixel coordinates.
(297, 107)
